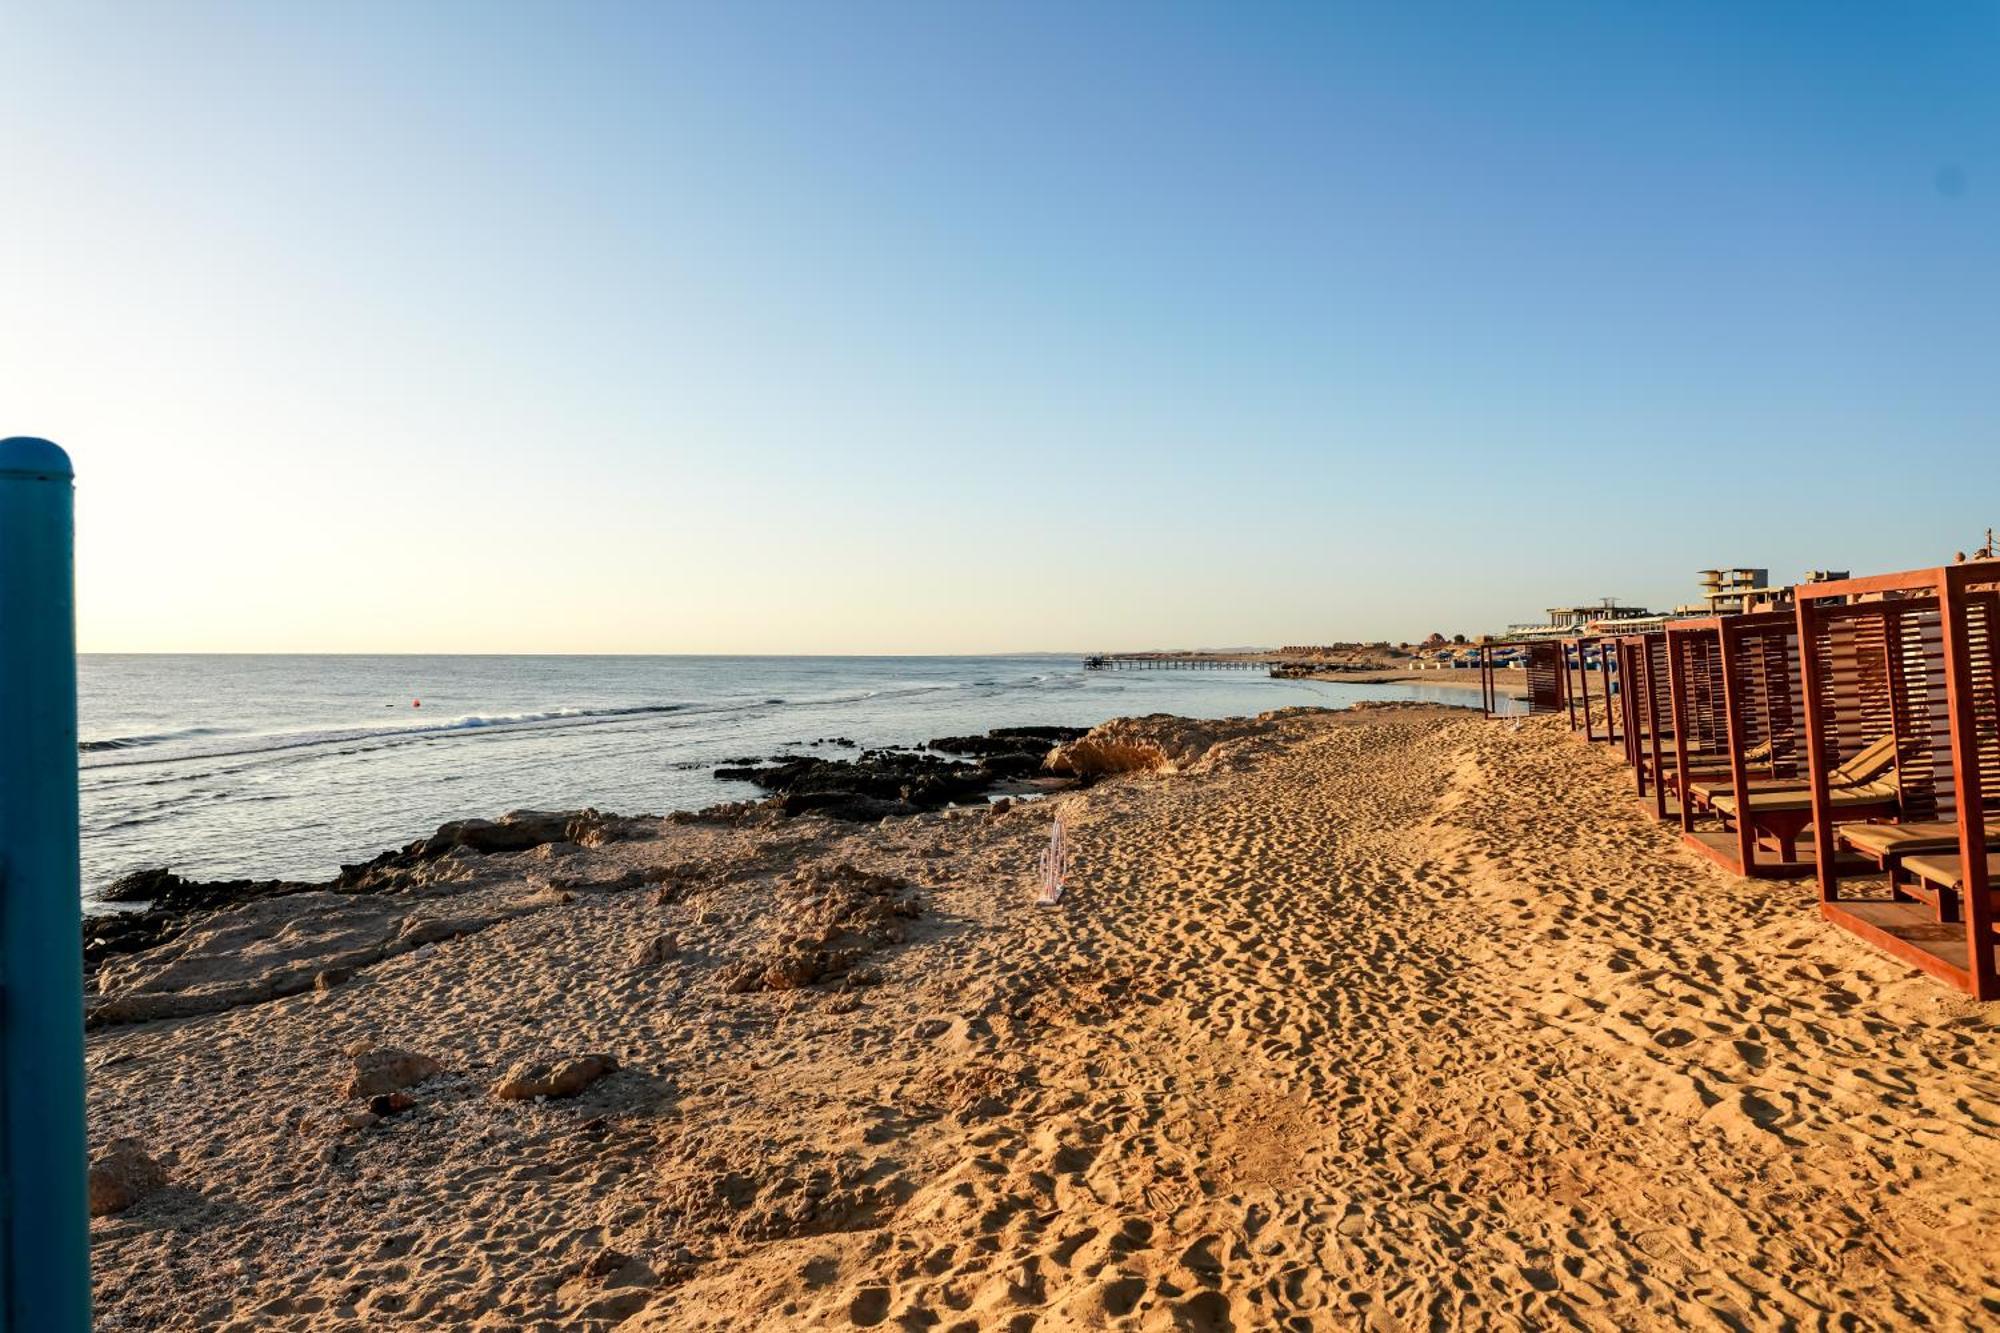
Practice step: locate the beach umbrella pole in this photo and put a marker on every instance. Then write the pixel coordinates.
(44, 1225)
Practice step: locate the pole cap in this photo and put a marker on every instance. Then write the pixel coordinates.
(25, 457)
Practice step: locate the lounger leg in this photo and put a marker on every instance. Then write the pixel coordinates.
(1782, 834)
(1948, 906)
(1898, 892)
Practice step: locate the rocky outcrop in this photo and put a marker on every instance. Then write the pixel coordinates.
(274, 947)
(1156, 743)
(159, 887)
(1007, 741)
(121, 1174)
(163, 905)
(561, 1077)
(880, 783)
(516, 831)
(384, 1069)
(167, 904)
(892, 781)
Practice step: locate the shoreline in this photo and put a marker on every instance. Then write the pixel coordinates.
(237, 839)
(153, 907)
(1307, 1035)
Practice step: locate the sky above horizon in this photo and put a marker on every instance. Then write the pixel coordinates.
(949, 328)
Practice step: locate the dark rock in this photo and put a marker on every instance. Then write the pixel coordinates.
(899, 780)
(173, 903)
(143, 886)
(919, 779)
(121, 1175)
(516, 831)
(848, 805)
(1008, 740)
(127, 932)
(1002, 767)
(161, 889)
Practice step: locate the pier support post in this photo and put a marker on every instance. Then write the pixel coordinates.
(44, 1223)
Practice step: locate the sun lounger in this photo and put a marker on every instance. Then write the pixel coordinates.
(1880, 792)
(1782, 815)
(1939, 879)
(1704, 761)
(1884, 843)
(1869, 764)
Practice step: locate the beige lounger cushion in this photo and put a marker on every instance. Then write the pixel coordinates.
(1882, 839)
(1840, 798)
(1719, 786)
(1949, 871)
(1872, 761)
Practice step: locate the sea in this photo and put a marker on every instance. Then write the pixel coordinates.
(223, 767)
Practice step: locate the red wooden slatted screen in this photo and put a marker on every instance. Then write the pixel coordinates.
(1770, 698)
(1545, 678)
(1701, 683)
(1660, 682)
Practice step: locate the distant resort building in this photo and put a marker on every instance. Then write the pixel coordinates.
(1576, 617)
(1728, 592)
(1725, 591)
(1602, 616)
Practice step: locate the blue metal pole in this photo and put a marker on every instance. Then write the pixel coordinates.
(44, 1225)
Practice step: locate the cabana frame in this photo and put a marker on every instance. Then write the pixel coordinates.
(1546, 668)
(1585, 646)
(1936, 684)
(1736, 698)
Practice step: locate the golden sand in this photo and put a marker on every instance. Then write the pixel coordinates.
(1392, 1020)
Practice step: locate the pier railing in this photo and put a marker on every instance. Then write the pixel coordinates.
(1179, 662)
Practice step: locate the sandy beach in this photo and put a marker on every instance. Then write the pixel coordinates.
(1387, 1019)
(970, 668)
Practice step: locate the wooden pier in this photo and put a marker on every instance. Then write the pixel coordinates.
(1182, 662)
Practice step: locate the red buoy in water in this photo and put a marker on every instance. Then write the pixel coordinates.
(416, 703)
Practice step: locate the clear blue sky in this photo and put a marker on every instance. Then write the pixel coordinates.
(945, 327)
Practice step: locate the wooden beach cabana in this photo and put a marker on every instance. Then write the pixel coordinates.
(1914, 656)
(1738, 749)
(1592, 652)
(1544, 663)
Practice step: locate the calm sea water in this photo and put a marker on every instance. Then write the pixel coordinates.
(288, 766)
